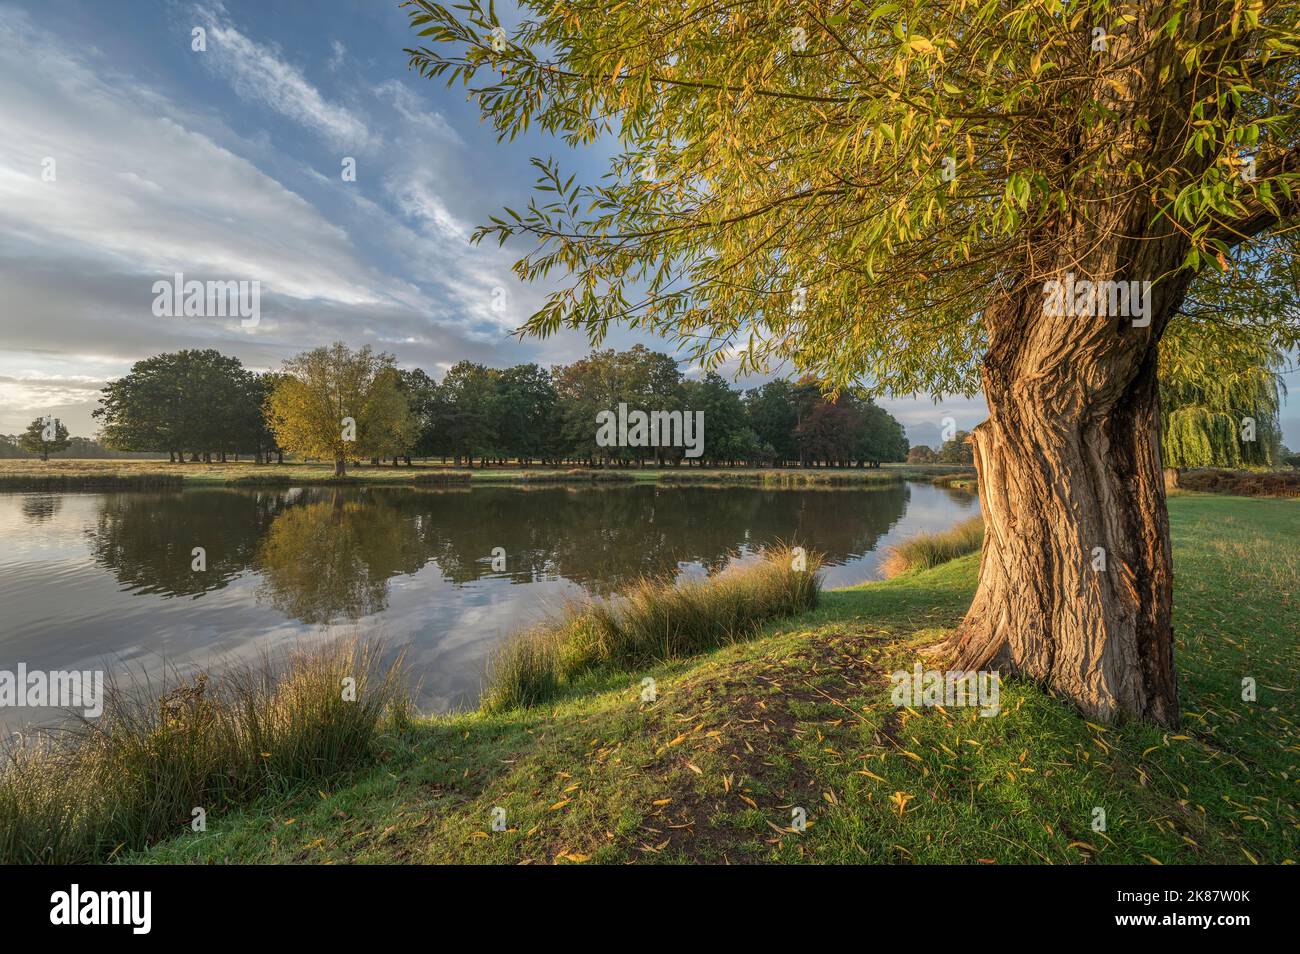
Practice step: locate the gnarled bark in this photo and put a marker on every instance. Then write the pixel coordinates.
(1075, 583)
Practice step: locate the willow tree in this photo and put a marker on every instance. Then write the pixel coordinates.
(1220, 391)
(914, 195)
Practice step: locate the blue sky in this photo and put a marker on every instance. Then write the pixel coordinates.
(225, 164)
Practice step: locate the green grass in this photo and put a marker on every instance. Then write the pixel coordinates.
(137, 773)
(801, 717)
(926, 550)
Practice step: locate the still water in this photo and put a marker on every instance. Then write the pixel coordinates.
(104, 580)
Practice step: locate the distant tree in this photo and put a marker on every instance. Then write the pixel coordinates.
(423, 396)
(829, 431)
(1219, 398)
(920, 454)
(44, 436)
(585, 388)
(528, 413)
(956, 450)
(473, 411)
(727, 434)
(195, 401)
(256, 435)
(773, 416)
(339, 404)
(882, 438)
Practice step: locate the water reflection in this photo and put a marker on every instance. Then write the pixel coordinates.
(327, 554)
(147, 539)
(89, 578)
(38, 508)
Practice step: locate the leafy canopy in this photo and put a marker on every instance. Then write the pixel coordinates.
(842, 185)
(339, 404)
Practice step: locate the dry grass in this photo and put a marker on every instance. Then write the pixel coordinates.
(136, 774)
(654, 620)
(1242, 483)
(927, 550)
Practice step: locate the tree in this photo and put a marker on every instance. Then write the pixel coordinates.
(529, 413)
(956, 450)
(920, 195)
(882, 436)
(44, 436)
(474, 413)
(773, 416)
(920, 454)
(727, 435)
(424, 398)
(255, 428)
(585, 388)
(1219, 398)
(336, 404)
(196, 401)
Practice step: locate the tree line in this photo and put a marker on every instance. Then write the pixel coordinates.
(343, 405)
(47, 437)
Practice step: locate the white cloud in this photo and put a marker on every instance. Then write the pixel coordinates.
(415, 111)
(258, 73)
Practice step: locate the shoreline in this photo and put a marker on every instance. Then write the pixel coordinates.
(800, 715)
(55, 476)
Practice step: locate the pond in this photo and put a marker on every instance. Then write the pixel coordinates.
(105, 580)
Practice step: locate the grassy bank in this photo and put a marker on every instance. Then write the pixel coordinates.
(35, 475)
(654, 621)
(801, 717)
(140, 770)
(927, 550)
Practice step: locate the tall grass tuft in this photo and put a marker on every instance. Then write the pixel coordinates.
(651, 621)
(136, 774)
(927, 550)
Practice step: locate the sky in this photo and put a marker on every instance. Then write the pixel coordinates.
(226, 164)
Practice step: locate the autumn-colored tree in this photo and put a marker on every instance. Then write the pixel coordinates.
(339, 404)
(930, 196)
(44, 436)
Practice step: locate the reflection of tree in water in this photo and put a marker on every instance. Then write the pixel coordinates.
(41, 507)
(605, 537)
(146, 539)
(325, 554)
(332, 558)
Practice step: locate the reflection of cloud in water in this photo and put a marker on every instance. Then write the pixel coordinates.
(108, 576)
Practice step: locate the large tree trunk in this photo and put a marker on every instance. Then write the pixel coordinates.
(1075, 583)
